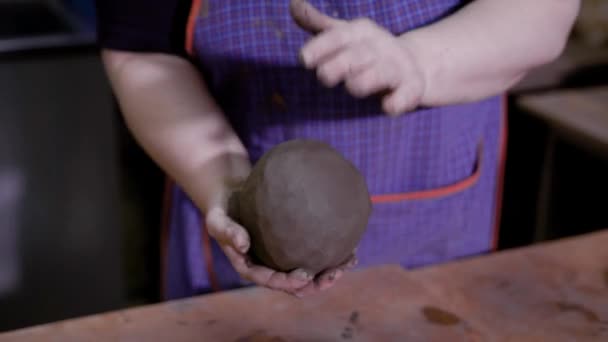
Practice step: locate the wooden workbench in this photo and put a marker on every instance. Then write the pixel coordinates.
(552, 292)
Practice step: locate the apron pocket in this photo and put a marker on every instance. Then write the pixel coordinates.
(430, 226)
(437, 192)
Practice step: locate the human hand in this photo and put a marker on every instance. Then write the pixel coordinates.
(366, 57)
(327, 278)
(234, 241)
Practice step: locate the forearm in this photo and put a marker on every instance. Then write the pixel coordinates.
(488, 46)
(170, 112)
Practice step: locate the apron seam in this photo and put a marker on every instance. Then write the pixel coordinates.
(191, 27)
(164, 238)
(502, 150)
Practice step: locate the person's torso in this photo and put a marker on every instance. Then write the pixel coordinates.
(432, 173)
(248, 51)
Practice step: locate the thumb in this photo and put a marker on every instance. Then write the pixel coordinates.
(309, 18)
(226, 231)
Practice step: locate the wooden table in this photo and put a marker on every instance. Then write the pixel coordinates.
(551, 292)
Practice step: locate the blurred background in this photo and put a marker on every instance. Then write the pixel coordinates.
(80, 202)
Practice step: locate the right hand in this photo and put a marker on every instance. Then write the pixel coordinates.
(364, 56)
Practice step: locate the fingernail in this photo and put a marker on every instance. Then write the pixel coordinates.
(331, 279)
(302, 275)
(243, 245)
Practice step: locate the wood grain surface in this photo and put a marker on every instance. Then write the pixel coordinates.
(556, 291)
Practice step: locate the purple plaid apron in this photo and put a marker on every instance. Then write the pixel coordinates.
(433, 173)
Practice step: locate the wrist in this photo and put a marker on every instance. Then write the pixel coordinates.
(419, 47)
(218, 179)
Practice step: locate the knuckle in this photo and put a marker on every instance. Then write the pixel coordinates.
(211, 225)
(342, 37)
(212, 231)
(228, 231)
(364, 54)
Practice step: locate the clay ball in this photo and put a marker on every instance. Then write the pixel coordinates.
(304, 206)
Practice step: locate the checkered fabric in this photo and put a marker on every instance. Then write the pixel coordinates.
(248, 53)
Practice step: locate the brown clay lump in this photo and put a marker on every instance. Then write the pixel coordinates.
(304, 206)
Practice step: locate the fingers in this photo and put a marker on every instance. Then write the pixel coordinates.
(307, 290)
(222, 228)
(346, 63)
(351, 262)
(309, 18)
(359, 53)
(328, 278)
(323, 46)
(241, 263)
(341, 35)
(366, 57)
(288, 282)
(403, 99)
(372, 80)
(298, 276)
(234, 241)
(264, 276)
(322, 283)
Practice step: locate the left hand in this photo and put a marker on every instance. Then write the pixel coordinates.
(327, 278)
(366, 57)
(235, 242)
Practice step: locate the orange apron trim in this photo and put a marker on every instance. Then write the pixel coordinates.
(434, 193)
(164, 235)
(208, 253)
(194, 12)
(164, 243)
(501, 172)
